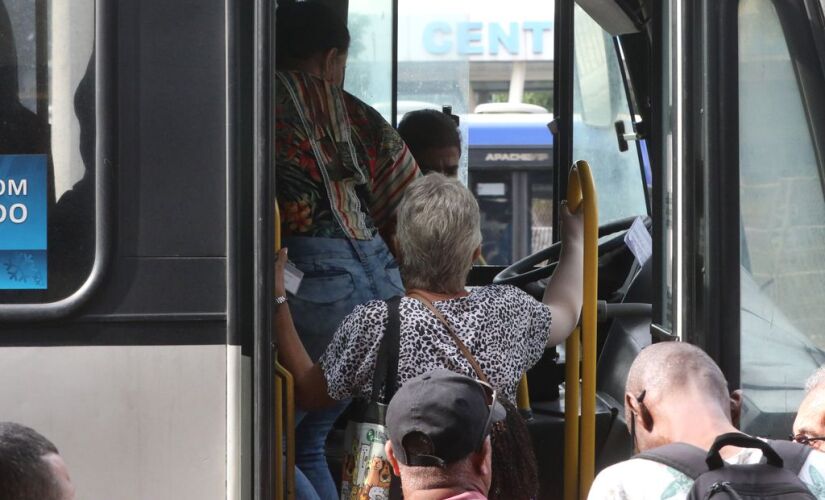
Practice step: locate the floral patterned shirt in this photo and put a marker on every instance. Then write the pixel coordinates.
(340, 168)
(640, 479)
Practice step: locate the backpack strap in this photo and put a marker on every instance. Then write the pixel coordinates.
(793, 454)
(386, 365)
(686, 458)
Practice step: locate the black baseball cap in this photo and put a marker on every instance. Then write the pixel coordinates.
(452, 412)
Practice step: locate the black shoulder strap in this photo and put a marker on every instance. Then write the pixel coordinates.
(386, 365)
(686, 458)
(793, 454)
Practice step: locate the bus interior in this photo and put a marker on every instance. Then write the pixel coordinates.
(136, 328)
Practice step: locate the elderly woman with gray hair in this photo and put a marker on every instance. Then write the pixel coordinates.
(438, 238)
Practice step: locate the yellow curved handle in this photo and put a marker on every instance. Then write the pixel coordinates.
(284, 412)
(580, 444)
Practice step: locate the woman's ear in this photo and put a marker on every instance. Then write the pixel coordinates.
(477, 253)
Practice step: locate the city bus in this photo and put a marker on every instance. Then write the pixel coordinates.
(510, 161)
(136, 258)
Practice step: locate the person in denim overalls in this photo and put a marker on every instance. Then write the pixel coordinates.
(340, 172)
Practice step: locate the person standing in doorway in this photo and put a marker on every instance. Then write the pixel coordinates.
(340, 172)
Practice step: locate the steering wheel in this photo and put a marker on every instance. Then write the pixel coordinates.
(525, 271)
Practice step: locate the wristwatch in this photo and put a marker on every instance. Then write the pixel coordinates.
(281, 299)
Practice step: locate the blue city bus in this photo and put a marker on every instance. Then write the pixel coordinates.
(510, 171)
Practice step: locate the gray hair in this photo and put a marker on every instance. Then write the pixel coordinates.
(438, 230)
(815, 380)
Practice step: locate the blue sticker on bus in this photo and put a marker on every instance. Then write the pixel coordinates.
(23, 233)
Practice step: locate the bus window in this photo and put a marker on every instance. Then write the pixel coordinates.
(47, 146)
(782, 225)
(599, 100)
(432, 71)
(494, 67)
(369, 65)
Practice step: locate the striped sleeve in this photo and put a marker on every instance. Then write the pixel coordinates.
(394, 170)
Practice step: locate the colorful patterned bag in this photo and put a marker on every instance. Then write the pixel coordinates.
(367, 473)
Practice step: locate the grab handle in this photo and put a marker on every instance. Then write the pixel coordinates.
(581, 195)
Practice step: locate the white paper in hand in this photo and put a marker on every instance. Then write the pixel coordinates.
(639, 242)
(292, 278)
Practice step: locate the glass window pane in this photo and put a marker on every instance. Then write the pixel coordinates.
(494, 67)
(599, 100)
(494, 191)
(369, 65)
(433, 71)
(541, 210)
(783, 227)
(46, 148)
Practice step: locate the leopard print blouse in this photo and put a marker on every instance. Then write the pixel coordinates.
(505, 329)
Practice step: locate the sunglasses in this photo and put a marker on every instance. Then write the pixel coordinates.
(803, 439)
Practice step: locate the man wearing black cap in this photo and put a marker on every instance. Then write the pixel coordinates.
(439, 427)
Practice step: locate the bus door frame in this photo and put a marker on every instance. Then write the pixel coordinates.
(264, 349)
(562, 104)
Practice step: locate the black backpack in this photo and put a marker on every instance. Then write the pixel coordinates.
(716, 479)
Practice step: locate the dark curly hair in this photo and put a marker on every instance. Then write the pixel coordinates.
(515, 471)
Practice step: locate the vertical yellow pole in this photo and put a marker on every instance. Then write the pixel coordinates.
(591, 270)
(571, 416)
(572, 356)
(523, 394)
(284, 412)
(289, 424)
(279, 439)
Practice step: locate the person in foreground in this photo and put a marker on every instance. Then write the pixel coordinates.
(676, 393)
(504, 328)
(809, 426)
(439, 428)
(433, 139)
(30, 466)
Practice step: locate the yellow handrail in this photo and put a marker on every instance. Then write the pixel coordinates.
(591, 276)
(289, 423)
(580, 443)
(571, 415)
(279, 439)
(523, 396)
(284, 420)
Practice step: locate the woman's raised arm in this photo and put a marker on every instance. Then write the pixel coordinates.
(564, 291)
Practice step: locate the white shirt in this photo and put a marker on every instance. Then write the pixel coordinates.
(640, 479)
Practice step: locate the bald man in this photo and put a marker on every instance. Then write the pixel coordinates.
(809, 426)
(31, 467)
(676, 393)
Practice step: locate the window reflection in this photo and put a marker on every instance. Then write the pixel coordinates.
(47, 97)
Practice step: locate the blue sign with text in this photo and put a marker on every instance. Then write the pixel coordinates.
(23, 242)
